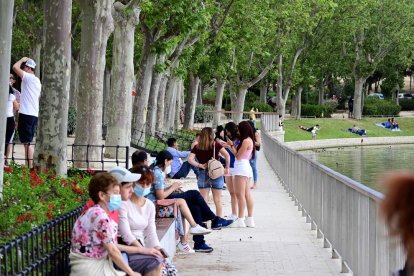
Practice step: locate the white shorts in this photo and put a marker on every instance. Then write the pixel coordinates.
(242, 168)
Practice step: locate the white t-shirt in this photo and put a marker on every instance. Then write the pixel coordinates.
(29, 97)
(10, 101)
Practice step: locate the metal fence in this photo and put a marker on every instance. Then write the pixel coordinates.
(343, 211)
(99, 162)
(41, 251)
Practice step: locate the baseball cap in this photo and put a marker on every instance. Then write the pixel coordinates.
(123, 175)
(30, 63)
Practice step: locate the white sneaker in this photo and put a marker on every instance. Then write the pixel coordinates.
(184, 248)
(250, 222)
(198, 230)
(238, 223)
(231, 217)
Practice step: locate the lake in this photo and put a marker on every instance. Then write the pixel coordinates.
(365, 164)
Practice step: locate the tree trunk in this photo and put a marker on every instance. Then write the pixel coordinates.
(299, 102)
(200, 94)
(51, 139)
(179, 103)
(191, 100)
(161, 103)
(294, 108)
(263, 91)
(139, 110)
(94, 39)
(221, 84)
(359, 84)
(37, 54)
(170, 96)
(321, 100)
(74, 83)
(238, 105)
(6, 24)
(105, 101)
(153, 99)
(119, 109)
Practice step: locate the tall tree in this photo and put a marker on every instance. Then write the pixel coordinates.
(52, 135)
(94, 39)
(6, 23)
(119, 111)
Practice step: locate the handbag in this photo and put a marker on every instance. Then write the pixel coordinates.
(215, 168)
(166, 208)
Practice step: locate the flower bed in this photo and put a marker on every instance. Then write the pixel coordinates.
(31, 198)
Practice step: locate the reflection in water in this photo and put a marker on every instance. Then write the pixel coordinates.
(365, 164)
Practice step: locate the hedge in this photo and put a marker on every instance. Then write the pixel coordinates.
(314, 110)
(377, 107)
(406, 104)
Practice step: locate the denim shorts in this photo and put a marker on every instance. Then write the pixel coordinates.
(205, 182)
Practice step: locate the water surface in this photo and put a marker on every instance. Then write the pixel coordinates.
(365, 164)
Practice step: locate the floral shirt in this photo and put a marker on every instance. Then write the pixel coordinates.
(91, 231)
(159, 184)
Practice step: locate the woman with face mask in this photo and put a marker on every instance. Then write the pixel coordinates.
(93, 245)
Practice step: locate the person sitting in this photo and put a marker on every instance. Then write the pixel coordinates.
(93, 244)
(394, 124)
(139, 158)
(179, 169)
(387, 124)
(196, 203)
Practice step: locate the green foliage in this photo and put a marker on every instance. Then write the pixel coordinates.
(209, 97)
(406, 104)
(260, 106)
(71, 120)
(318, 111)
(377, 107)
(200, 116)
(31, 198)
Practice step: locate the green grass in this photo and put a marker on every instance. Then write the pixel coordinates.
(336, 128)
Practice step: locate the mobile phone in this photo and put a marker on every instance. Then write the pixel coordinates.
(164, 253)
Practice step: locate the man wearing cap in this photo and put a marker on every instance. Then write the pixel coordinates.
(179, 169)
(29, 104)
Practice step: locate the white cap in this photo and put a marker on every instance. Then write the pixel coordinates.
(123, 175)
(30, 63)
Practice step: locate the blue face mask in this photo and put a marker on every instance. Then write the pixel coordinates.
(141, 192)
(115, 201)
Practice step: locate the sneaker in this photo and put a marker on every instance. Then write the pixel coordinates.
(217, 223)
(184, 248)
(198, 230)
(238, 223)
(204, 248)
(250, 222)
(231, 217)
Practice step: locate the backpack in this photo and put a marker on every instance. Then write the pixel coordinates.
(215, 168)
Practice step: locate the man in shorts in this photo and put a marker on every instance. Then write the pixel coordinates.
(29, 105)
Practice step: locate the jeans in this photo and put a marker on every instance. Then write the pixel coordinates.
(254, 167)
(198, 208)
(184, 170)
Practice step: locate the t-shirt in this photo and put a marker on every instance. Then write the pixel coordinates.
(203, 156)
(91, 230)
(159, 184)
(138, 223)
(29, 98)
(10, 101)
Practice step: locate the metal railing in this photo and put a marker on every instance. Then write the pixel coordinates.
(41, 251)
(343, 211)
(99, 162)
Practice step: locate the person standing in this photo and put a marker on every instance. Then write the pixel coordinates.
(12, 105)
(29, 104)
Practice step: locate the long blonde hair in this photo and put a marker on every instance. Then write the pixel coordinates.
(206, 139)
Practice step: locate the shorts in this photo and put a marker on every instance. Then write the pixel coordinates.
(11, 125)
(143, 263)
(231, 171)
(242, 167)
(205, 182)
(27, 128)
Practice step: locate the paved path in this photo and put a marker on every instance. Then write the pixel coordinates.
(281, 244)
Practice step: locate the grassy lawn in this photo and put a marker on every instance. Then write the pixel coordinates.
(336, 128)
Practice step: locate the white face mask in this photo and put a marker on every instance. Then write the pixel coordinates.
(168, 169)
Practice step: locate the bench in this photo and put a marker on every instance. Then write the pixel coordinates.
(166, 234)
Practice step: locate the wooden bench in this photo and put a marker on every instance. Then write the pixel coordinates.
(166, 234)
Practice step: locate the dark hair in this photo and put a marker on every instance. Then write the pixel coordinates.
(252, 125)
(219, 129)
(138, 156)
(398, 210)
(171, 141)
(246, 131)
(231, 127)
(101, 182)
(161, 157)
(147, 174)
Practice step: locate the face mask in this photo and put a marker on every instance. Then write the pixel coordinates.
(114, 203)
(168, 169)
(141, 192)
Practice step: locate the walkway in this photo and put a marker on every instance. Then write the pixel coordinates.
(281, 244)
